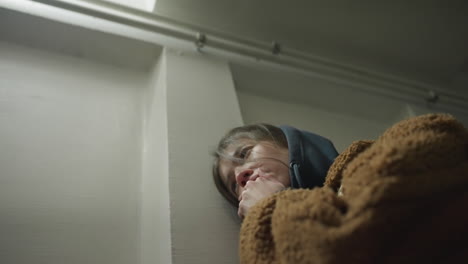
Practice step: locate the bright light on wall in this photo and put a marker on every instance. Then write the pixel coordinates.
(145, 5)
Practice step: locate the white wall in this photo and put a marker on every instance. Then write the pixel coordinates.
(416, 110)
(156, 241)
(201, 107)
(340, 111)
(70, 141)
(342, 129)
(102, 164)
(146, 5)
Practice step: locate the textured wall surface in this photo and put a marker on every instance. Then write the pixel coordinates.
(202, 105)
(70, 140)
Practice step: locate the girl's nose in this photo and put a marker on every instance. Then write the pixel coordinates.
(243, 176)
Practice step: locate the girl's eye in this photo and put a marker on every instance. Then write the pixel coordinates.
(245, 152)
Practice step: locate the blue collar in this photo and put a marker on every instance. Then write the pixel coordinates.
(310, 157)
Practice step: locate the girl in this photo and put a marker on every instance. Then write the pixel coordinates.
(254, 161)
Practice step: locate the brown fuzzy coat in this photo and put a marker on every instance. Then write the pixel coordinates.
(405, 200)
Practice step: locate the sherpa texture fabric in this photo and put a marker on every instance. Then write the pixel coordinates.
(405, 200)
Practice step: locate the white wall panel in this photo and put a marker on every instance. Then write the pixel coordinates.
(70, 159)
(342, 129)
(202, 105)
(155, 199)
(416, 110)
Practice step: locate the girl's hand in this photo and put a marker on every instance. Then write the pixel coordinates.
(255, 191)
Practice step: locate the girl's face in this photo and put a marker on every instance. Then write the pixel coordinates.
(261, 159)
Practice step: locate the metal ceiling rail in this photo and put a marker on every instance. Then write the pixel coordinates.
(165, 31)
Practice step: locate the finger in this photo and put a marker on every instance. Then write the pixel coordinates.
(248, 184)
(242, 195)
(252, 184)
(240, 211)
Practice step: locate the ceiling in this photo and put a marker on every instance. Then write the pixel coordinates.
(76, 41)
(419, 40)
